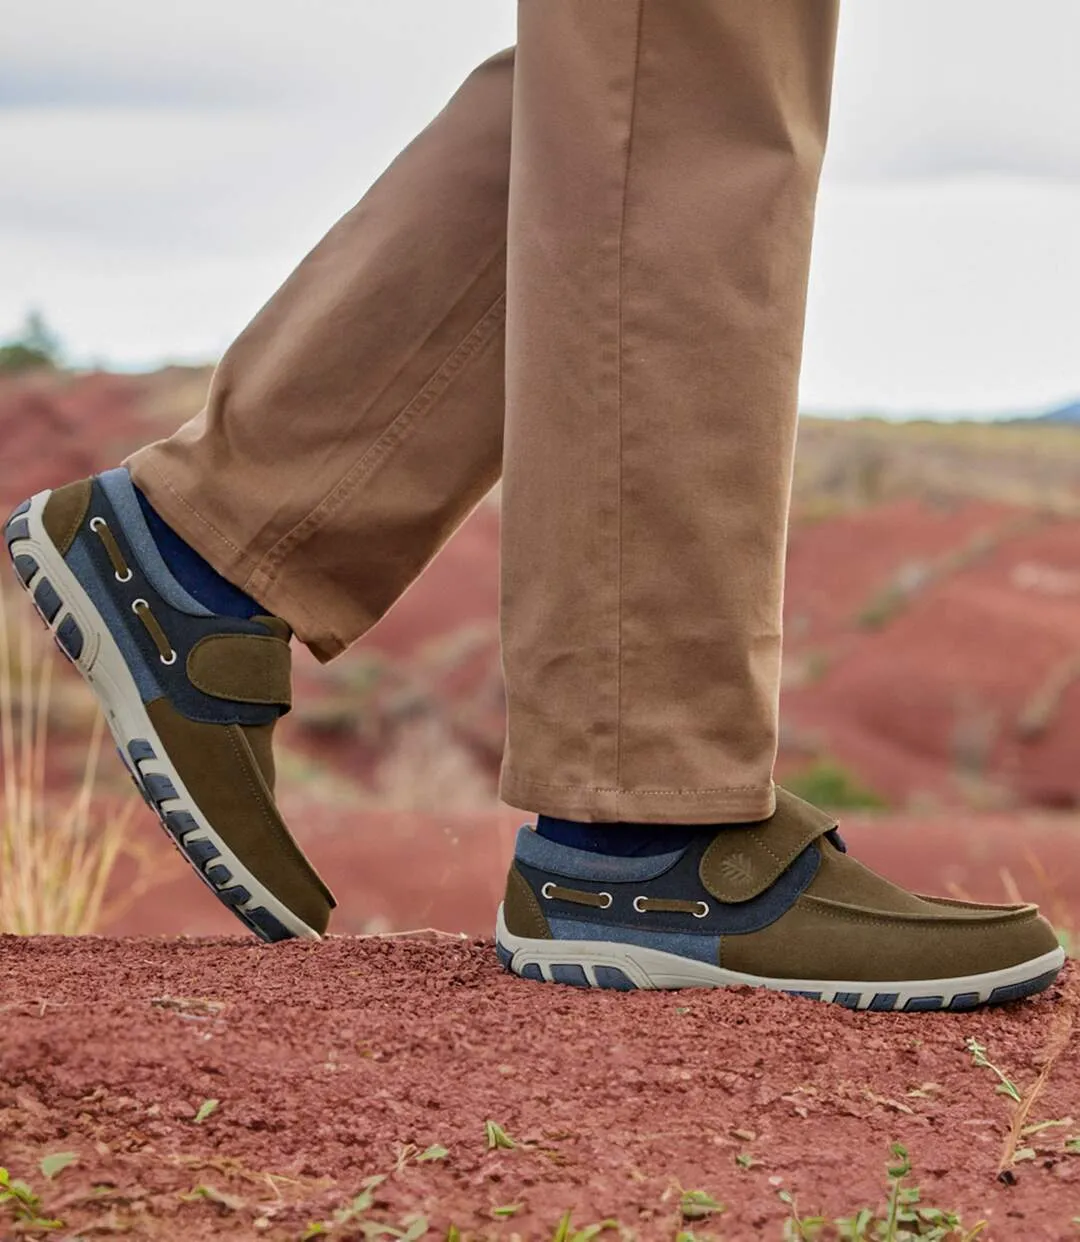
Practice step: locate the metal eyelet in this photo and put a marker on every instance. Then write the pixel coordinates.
(125, 577)
(607, 902)
(137, 603)
(638, 906)
(702, 911)
(97, 523)
(544, 890)
(171, 659)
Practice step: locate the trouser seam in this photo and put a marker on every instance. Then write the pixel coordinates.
(392, 436)
(622, 221)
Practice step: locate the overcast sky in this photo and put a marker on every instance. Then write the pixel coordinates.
(163, 167)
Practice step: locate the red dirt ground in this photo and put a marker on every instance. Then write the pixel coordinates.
(329, 1060)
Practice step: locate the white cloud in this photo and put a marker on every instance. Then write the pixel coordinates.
(247, 52)
(945, 297)
(938, 87)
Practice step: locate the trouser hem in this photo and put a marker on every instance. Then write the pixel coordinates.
(588, 804)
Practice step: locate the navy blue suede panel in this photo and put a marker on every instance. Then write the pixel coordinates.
(183, 629)
(196, 575)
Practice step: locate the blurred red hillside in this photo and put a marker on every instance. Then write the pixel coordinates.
(933, 613)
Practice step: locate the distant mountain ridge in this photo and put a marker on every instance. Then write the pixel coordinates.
(1066, 414)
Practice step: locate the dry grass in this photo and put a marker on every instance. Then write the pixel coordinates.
(844, 465)
(57, 852)
(1042, 708)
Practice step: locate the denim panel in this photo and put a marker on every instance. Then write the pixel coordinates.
(574, 864)
(91, 579)
(120, 491)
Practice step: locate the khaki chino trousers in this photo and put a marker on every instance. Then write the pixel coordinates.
(588, 276)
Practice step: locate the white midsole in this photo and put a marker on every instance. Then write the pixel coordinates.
(105, 669)
(652, 968)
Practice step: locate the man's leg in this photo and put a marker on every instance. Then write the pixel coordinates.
(359, 418)
(665, 165)
(348, 430)
(663, 175)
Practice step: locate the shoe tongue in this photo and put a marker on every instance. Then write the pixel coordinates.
(744, 860)
(277, 627)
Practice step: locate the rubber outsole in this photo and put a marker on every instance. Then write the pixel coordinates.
(83, 638)
(627, 968)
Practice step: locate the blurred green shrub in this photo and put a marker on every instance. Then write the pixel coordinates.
(33, 348)
(826, 784)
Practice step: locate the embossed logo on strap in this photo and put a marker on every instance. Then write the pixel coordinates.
(742, 862)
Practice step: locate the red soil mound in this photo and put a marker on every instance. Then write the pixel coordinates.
(337, 1062)
(934, 653)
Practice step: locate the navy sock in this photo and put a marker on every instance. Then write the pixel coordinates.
(635, 840)
(196, 575)
(626, 840)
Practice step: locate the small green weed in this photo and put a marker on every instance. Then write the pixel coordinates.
(698, 1205)
(496, 1136)
(435, 1152)
(567, 1231)
(1022, 1103)
(23, 1206)
(350, 1219)
(56, 1163)
(205, 1109)
(796, 1227)
(211, 1194)
(901, 1219)
(409, 1151)
(1005, 1084)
